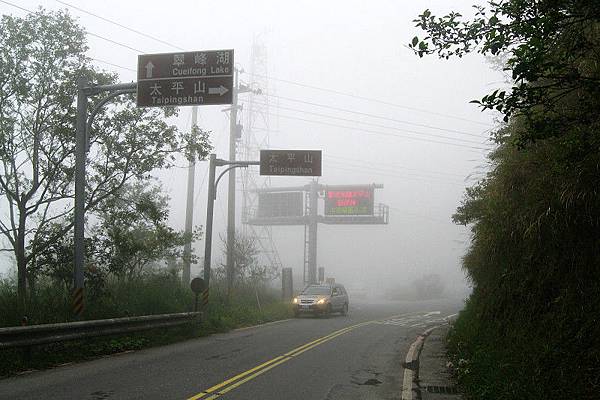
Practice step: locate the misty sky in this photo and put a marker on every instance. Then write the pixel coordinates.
(354, 47)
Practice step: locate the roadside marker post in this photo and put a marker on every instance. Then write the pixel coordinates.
(78, 302)
(198, 286)
(205, 298)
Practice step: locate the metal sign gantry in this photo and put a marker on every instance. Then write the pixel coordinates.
(311, 218)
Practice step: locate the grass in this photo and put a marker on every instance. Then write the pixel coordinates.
(524, 356)
(152, 295)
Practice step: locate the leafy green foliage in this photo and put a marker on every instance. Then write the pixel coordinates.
(247, 268)
(41, 57)
(534, 261)
(529, 329)
(552, 53)
(134, 231)
(151, 294)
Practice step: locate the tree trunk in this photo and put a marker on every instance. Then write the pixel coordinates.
(21, 272)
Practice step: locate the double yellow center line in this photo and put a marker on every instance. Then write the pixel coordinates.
(238, 380)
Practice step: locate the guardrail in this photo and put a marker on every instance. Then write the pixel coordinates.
(24, 336)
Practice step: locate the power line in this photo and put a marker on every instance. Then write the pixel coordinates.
(281, 80)
(418, 215)
(16, 6)
(262, 76)
(86, 31)
(373, 115)
(114, 65)
(382, 171)
(266, 77)
(114, 42)
(396, 166)
(373, 100)
(119, 25)
(371, 124)
(294, 100)
(404, 178)
(381, 133)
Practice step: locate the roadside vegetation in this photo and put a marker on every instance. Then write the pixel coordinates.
(530, 328)
(155, 293)
(133, 256)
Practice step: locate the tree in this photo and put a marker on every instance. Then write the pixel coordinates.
(41, 57)
(533, 258)
(246, 264)
(133, 231)
(552, 54)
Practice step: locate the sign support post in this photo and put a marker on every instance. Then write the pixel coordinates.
(82, 131)
(312, 232)
(210, 204)
(214, 162)
(164, 80)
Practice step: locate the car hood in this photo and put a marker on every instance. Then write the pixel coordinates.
(312, 296)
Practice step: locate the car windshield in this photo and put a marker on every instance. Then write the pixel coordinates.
(317, 290)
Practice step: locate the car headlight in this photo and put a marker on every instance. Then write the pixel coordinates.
(322, 301)
(295, 301)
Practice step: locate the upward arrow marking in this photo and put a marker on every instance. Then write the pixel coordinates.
(149, 68)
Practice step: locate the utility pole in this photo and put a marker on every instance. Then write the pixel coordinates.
(189, 209)
(233, 132)
(79, 218)
(312, 231)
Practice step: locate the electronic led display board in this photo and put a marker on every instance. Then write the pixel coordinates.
(351, 201)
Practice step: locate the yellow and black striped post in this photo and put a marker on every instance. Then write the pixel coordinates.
(205, 297)
(78, 301)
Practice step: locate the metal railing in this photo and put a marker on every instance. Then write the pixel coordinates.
(23, 336)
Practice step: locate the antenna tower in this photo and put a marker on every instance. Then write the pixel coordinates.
(256, 137)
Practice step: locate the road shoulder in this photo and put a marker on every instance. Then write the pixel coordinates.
(427, 375)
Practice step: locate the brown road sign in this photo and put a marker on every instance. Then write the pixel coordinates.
(185, 78)
(290, 162)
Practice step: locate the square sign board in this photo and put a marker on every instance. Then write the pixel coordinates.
(349, 201)
(280, 204)
(185, 78)
(290, 162)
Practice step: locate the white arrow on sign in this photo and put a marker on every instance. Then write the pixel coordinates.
(149, 68)
(221, 90)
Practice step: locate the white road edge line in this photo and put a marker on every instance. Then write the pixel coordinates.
(429, 314)
(411, 357)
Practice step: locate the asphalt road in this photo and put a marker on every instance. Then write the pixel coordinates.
(354, 357)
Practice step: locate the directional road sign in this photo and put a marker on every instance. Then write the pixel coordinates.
(185, 78)
(290, 162)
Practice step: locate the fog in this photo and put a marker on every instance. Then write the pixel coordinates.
(321, 58)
